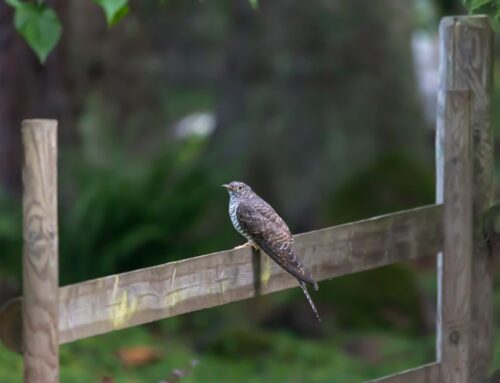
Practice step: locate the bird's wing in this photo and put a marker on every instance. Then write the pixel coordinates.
(272, 235)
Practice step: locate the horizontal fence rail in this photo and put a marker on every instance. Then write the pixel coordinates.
(129, 299)
(428, 373)
(137, 297)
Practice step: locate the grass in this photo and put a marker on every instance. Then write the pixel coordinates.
(283, 357)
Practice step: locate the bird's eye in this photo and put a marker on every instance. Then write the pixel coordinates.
(240, 187)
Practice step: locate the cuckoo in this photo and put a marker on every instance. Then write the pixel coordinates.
(264, 229)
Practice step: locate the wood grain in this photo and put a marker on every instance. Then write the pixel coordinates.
(456, 267)
(428, 373)
(129, 299)
(40, 254)
(466, 45)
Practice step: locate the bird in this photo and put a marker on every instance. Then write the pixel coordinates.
(264, 229)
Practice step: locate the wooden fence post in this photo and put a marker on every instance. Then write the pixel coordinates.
(464, 168)
(40, 254)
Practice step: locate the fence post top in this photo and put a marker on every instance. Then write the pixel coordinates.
(38, 122)
(473, 21)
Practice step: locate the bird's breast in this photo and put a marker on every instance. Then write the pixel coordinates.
(233, 206)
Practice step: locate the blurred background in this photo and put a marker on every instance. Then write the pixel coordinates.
(325, 107)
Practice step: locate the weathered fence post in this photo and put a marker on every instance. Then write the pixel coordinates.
(40, 255)
(464, 164)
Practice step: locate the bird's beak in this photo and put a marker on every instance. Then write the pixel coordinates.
(226, 186)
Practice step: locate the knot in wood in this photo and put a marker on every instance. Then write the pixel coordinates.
(454, 337)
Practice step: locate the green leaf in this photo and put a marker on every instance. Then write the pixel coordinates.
(487, 7)
(254, 3)
(38, 24)
(482, 6)
(496, 22)
(475, 3)
(115, 10)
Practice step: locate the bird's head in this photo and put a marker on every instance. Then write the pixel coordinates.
(238, 189)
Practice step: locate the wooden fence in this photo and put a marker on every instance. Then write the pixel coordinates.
(453, 229)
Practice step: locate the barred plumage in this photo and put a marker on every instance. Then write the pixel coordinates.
(257, 221)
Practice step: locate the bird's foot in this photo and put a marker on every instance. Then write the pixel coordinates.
(248, 244)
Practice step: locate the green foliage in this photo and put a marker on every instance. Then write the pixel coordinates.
(124, 209)
(485, 7)
(38, 24)
(42, 29)
(131, 218)
(115, 10)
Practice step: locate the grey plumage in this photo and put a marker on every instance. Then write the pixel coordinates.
(257, 221)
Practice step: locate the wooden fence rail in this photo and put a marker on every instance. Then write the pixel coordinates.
(429, 373)
(142, 296)
(53, 315)
(129, 299)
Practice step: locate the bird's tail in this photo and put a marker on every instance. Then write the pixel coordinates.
(304, 289)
